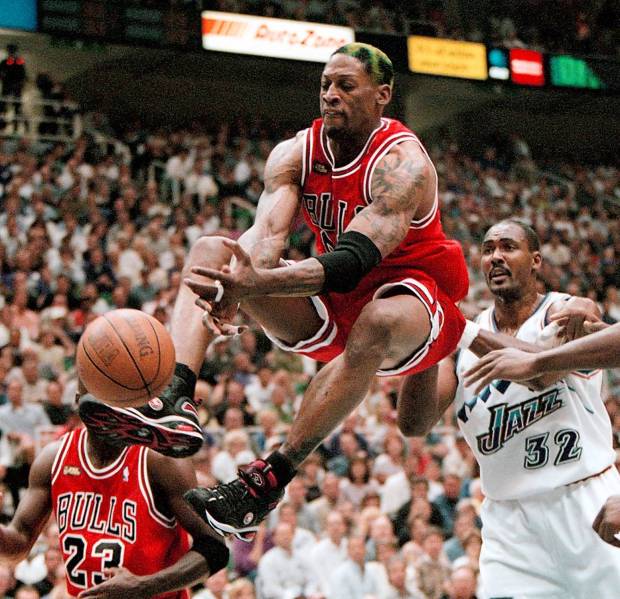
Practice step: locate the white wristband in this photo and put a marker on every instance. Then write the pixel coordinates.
(469, 334)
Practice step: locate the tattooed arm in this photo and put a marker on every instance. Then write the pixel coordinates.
(402, 179)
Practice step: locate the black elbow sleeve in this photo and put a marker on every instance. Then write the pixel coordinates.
(215, 553)
(354, 256)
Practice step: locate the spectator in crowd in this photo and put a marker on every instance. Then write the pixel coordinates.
(57, 411)
(354, 577)
(358, 483)
(328, 554)
(447, 501)
(397, 578)
(18, 427)
(281, 571)
(322, 506)
(241, 588)
(462, 584)
(454, 547)
(235, 451)
(433, 569)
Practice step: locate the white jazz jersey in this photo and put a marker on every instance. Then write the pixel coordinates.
(528, 442)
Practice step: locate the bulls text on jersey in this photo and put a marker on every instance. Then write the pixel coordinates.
(84, 511)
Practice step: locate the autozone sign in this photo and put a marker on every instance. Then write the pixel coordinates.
(278, 38)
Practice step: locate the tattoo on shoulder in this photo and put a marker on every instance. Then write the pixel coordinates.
(398, 178)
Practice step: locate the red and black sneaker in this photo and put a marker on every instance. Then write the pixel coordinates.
(238, 507)
(168, 424)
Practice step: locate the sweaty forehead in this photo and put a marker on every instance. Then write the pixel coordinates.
(341, 65)
(505, 231)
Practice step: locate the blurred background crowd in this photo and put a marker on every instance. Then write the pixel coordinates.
(84, 230)
(568, 25)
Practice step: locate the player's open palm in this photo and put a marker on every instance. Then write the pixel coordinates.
(230, 284)
(121, 584)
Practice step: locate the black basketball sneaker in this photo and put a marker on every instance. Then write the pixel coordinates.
(168, 424)
(238, 507)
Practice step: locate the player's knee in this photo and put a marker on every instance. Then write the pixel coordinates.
(371, 333)
(410, 426)
(208, 250)
(379, 321)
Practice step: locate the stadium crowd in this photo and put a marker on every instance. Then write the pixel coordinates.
(567, 25)
(84, 231)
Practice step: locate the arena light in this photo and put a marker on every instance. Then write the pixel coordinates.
(498, 64)
(526, 67)
(570, 71)
(277, 38)
(450, 58)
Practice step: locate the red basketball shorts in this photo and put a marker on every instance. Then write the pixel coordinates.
(339, 312)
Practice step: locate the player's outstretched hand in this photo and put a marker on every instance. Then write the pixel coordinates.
(508, 363)
(576, 319)
(229, 284)
(120, 584)
(607, 521)
(219, 320)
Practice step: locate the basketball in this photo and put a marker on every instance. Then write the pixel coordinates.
(125, 358)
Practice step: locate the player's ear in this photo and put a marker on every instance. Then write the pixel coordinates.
(384, 94)
(536, 261)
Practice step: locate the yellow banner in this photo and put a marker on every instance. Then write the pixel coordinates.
(450, 58)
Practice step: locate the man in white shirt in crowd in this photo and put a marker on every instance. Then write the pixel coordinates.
(18, 429)
(282, 574)
(295, 497)
(303, 539)
(356, 579)
(322, 506)
(397, 578)
(328, 554)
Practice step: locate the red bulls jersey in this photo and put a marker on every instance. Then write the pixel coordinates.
(107, 517)
(332, 196)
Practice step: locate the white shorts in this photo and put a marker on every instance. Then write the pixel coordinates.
(544, 547)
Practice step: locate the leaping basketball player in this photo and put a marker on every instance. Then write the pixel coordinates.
(379, 298)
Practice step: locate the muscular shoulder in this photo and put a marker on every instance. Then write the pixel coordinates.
(405, 171)
(284, 164)
(41, 470)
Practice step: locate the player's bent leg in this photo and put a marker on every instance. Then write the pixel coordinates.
(385, 333)
(417, 404)
(169, 423)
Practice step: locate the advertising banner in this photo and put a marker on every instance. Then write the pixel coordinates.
(277, 38)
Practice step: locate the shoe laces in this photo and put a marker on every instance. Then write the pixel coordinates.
(232, 492)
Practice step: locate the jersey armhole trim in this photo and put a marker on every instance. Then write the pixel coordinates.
(306, 156)
(147, 492)
(60, 455)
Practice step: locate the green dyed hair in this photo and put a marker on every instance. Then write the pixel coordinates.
(375, 61)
